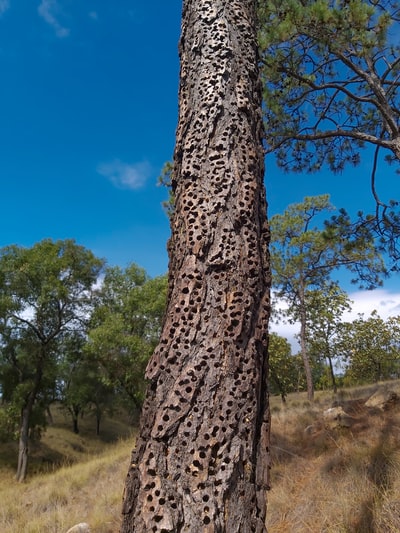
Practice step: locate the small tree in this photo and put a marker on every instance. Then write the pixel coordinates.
(125, 328)
(80, 381)
(371, 348)
(283, 371)
(325, 309)
(303, 258)
(45, 294)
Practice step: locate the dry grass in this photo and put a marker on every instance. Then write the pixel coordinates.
(72, 478)
(343, 480)
(86, 492)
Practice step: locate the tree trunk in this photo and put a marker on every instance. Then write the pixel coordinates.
(74, 411)
(202, 456)
(26, 413)
(75, 425)
(332, 372)
(23, 448)
(303, 346)
(98, 419)
(49, 416)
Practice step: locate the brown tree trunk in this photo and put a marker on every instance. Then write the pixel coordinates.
(26, 414)
(202, 456)
(332, 372)
(303, 346)
(23, 446)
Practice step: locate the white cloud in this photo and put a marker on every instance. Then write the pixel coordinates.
(4, 5)
(93, 15)
(386, 303)
(124, 175)
(48, 10)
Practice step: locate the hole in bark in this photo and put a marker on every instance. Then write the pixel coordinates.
(214, 451)
(206, 520)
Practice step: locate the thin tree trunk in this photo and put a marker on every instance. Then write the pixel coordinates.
(49, 416)
(75, 424)
(23, 446)
(74, 411)
(303, 347)
(98, 419)
(334, 385)
(26, 413)
(202, 456)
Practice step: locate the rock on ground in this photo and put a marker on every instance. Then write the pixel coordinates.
(83, 527)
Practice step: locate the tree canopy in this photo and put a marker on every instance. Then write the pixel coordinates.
(125, 328)
(303, 257)
(45, 296)
(331, 78)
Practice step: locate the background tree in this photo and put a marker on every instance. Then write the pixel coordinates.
(371, 348)
(80, 381)
(125, 329)
(303, 258)
(201, 458)
(325, 309)
(283, 366)
(45, 293)
(331, 86)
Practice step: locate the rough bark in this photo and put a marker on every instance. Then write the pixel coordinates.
(202, 456)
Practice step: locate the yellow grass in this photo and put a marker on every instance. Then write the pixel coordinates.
(344, 480)
(72, 478)
(86, 492)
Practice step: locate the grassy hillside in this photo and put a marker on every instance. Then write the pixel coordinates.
(72, 478)
(332, 480)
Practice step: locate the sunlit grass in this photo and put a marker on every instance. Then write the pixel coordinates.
(85, 492)
(71, 478)
(344, 480)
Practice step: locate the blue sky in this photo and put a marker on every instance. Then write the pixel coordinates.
(88, 103)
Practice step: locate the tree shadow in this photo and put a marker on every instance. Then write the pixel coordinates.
(380, 473)
(365, 522)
